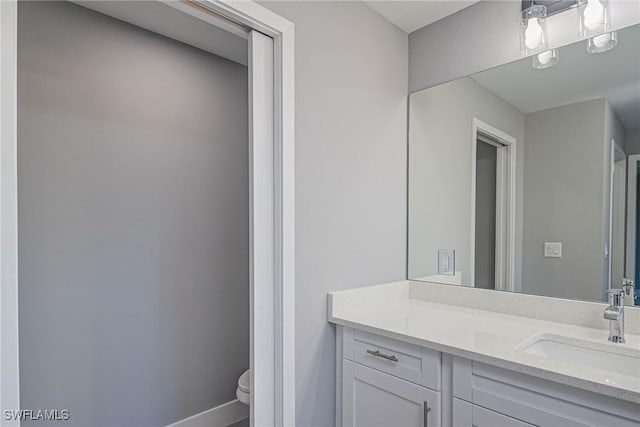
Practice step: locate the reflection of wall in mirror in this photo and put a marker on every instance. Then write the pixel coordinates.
(632, 141)
(563, 181)
(440, 128)
(566, 198)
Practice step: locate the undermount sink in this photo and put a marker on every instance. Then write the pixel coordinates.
(622, 360)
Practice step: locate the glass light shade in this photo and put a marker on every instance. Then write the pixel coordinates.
(546, 59)
(602, 42)
(533, 30)
(593, 16)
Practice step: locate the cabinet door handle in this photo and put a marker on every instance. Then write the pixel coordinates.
(384, 356)
(426, 409)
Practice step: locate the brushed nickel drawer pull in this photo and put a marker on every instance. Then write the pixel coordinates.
(426, 409)
(384, 356)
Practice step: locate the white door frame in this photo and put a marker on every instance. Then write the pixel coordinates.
(505, 205)
(271, 75)
(615, 150)
(632, 192)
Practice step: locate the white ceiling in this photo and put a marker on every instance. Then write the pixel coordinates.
(415, 14)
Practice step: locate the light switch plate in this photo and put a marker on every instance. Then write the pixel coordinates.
(553, 249)
(447, 262)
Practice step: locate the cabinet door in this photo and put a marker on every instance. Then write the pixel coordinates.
(371, 398)
(536, 401)
(466, 414)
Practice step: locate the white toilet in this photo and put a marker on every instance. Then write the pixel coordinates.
(243, 392)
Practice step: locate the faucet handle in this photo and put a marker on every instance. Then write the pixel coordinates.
(627, 286)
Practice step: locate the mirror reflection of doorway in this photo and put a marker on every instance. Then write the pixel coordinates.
(486, 179)
(492, 208)
(492, 213)
(632, 264)
(618, 215)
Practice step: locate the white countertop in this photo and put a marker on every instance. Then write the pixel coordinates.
(486, 336)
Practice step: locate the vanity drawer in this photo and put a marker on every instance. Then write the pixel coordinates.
(466, 414)
(537, 401)
(403, 360)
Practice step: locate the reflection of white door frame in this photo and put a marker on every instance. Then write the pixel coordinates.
(616, 152)
(505, 205)
(632, 182)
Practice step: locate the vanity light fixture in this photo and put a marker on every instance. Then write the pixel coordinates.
(593, 17)
(602, 42)
(533, 29)
(546, 59)
(594, 24)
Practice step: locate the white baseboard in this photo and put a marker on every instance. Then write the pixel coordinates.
(220, 416)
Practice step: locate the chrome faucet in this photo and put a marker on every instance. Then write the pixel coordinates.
(615, 314)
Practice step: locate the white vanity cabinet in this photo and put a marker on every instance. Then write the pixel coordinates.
(526, 400)
(373, 398)
(383, 382)
(468, 415)
(386, 383)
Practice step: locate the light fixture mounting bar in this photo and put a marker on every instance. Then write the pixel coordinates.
(553, 6)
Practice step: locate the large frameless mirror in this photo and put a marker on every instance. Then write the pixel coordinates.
(525, 177)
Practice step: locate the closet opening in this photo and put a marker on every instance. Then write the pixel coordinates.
(147, 212)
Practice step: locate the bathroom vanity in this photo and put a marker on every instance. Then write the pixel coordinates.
(423, 354)
(517, 182)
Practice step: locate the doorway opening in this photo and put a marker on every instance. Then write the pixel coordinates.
(493, 208)
(268, 40)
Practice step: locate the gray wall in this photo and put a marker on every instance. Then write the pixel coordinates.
(632, 141)
(564, 189)
(485, 35)
(351, 136)
(133, 213)
(440, 160)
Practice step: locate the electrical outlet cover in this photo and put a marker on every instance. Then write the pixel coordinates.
(447, 262)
